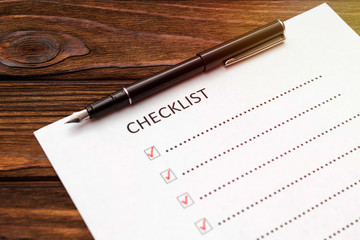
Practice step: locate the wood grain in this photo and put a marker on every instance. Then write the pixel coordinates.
(38, 210)
(58, 56)
(38, 49)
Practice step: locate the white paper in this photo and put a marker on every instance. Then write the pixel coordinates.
(299, 105)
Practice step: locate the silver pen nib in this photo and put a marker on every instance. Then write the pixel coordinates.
(77, 117)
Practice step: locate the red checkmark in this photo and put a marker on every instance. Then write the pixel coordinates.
(151, 153)
(203, 227)
(186, 200)
(168, 175)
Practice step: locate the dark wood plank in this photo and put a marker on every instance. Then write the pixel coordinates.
(39, 210)
(70, 36)
(31, 105)
(57, 56)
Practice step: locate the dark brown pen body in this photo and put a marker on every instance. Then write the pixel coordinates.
(202, 62)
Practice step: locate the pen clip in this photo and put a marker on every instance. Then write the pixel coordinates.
(255, 50)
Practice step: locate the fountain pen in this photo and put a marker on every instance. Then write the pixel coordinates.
(226, 53)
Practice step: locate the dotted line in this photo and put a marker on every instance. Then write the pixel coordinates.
(357, 220)
(268, 196)
(240, 114)
(275, 158)
(259, 135)
(326, 200)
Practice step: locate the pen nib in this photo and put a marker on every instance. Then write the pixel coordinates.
(78, 116)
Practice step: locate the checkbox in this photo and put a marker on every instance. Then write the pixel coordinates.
(203, 226)
(152, 153)
(168, 176)
(185, 200)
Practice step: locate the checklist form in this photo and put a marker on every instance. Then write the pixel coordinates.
(265, 149)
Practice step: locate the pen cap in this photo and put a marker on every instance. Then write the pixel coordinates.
(217, 55)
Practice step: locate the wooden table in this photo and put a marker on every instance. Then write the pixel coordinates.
(57, 56)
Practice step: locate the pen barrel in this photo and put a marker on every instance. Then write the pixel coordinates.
(202, 62)
(108, 104)
(217, 55)
(166, 78)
